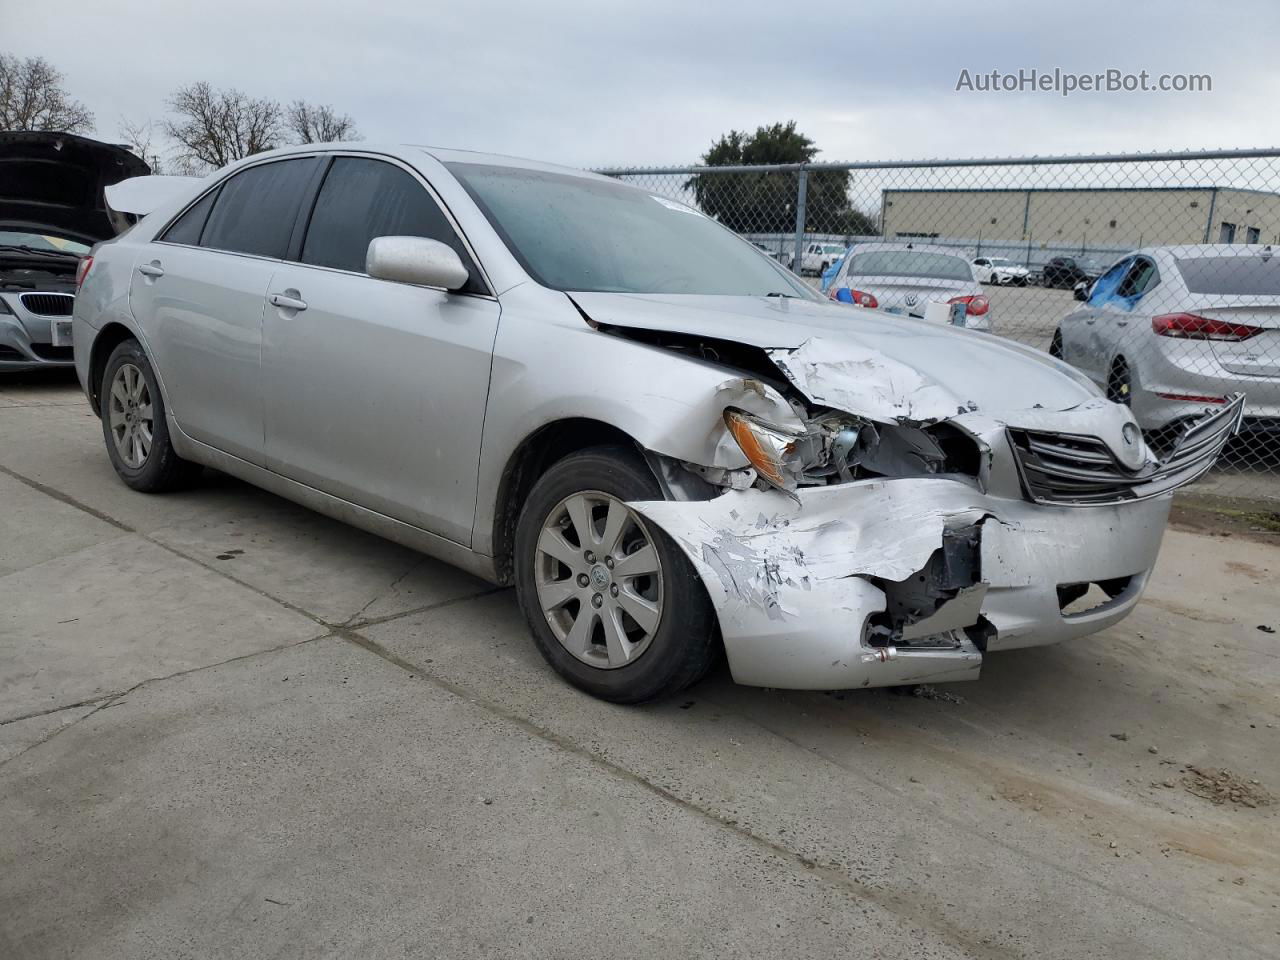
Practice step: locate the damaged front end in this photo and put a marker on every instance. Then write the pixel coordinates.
(882, 533)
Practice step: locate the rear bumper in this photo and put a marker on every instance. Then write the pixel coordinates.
(1190, 369)
(800, 584)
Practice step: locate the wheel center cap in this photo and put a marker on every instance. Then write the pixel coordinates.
(600, 576)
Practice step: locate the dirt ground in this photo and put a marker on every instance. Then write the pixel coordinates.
(230, 727)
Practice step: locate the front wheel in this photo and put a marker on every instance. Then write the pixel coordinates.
(614, 606)
(134, 425)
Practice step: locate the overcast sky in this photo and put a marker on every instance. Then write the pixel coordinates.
(656, 81)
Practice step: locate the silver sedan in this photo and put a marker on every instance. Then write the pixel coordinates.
(663, 439)
(1172, 330)
(931, 283)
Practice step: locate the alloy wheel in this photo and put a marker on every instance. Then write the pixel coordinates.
(129, 413)
(598, 578)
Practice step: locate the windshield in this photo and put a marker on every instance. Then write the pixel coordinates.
(1000, 262)
(42, 243)
(909, 263)
(1238, 276)
(832, 248)
(595, 236)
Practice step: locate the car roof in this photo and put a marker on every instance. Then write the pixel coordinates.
(407, 151)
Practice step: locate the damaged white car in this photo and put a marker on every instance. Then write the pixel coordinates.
(661, 437)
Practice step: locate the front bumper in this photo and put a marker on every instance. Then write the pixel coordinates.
(26, 340)
(799, 584)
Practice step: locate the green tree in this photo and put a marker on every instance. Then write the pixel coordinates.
(765, 202)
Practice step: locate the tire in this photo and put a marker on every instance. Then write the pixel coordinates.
(128, 392)
(1120, 382)
(1055, 345)
(822, 269)
(681, 645)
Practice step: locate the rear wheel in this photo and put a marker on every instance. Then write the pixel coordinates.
(1055, 345)
(134, 425)
(614, 606)
(1120, 382)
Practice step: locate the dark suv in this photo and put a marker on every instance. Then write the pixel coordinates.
(1065, 272)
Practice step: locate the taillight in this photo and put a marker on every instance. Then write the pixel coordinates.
(1189, 326)
(82, 271)
(975, 305)
(857, 297)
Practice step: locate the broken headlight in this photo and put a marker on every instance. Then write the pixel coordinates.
(825, 452)
(773, 450)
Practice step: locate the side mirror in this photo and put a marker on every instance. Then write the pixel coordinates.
(1082, 290)
(415, 260)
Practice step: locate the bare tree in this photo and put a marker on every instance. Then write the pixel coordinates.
(215, 127)
(318, 123)
(140, 139)
(32, 97)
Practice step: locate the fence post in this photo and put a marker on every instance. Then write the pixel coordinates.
(802, 190)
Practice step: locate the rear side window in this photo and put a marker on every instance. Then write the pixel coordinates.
(1140, 279)
(362, 199)
(1254, 276)
(187, 228)
(256, 209)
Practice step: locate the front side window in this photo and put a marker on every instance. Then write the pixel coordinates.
(255, 209)
(579, 233)
(909, 263)
(362, 199)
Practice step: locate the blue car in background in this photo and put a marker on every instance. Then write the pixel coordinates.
(830, 273)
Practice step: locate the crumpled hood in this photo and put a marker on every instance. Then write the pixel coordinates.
(53, 183)
(864, 361)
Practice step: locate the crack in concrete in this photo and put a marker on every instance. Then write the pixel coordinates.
(111, 699)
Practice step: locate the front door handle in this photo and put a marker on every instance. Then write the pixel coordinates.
(286, 302)
(152, 269)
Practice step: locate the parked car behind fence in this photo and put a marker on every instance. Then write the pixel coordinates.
(1067, 220)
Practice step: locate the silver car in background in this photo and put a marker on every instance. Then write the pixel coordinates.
(662, 438)
(913, 279)
(1172, 330)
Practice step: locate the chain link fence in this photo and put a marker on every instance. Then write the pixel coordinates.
(1153, 274)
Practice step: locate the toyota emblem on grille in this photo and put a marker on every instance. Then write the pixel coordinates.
(1130, 433)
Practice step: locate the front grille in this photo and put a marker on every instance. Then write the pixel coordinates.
(47, 351)
(1079, 471)
(49, 304)
(8, 353)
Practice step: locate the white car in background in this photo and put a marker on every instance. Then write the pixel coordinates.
(816, 257)
(1170, 331)
(919, 281)
(1000, 271)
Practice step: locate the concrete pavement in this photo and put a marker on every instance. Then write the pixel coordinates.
(230, 727)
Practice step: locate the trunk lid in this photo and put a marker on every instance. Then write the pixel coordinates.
(1259, 356)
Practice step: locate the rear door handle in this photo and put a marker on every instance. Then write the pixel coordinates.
(286, 302)
(152, 269)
